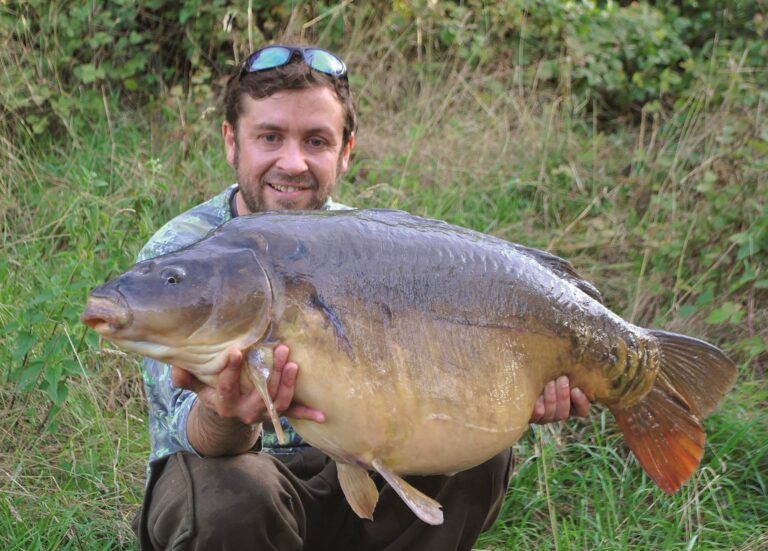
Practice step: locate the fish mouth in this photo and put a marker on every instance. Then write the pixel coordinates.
(107, 315)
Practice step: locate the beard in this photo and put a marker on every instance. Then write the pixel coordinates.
(251, 191)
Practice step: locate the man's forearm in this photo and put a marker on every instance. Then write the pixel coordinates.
(212, 435)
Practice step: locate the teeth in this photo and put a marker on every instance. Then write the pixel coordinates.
(284, 189)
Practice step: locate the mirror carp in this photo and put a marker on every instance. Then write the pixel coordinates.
(425, 344)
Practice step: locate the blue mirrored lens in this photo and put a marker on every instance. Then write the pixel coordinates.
(325, 62)
(269, 58)
(277, 56)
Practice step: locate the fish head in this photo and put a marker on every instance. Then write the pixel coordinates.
(186, 308)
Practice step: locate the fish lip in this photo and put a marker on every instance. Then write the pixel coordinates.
(106, 313)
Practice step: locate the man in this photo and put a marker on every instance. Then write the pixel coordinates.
(289, 130)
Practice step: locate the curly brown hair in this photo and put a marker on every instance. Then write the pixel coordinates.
(294, 75)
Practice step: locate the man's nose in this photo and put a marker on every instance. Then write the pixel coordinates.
(292, 160)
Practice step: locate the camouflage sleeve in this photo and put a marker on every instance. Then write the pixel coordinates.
(169, 409)
(169, 406)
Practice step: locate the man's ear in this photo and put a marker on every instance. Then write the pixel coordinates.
(230, 142)
(345, 152)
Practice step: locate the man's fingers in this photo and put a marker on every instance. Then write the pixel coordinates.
(284, 395)
(279, 359)
(550, 402)
(234, 358)
(298, 411)
(184, 379)
(229, 382)
(579, 403)
(280, 355)
(538, 410)
(228, 400)
(562, 399)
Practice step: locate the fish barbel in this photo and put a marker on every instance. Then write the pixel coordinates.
(425, 344)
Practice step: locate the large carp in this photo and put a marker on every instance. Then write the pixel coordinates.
(425, 344)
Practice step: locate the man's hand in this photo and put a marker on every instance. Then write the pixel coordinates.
(229, 400)
(558, 402)
(222, 420)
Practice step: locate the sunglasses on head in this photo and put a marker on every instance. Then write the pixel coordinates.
(271, 57)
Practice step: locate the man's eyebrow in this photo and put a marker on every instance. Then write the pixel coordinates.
(322, 129)
(266, 126)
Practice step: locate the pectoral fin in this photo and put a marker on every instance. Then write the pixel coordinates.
(259, 369)
(426, 508)
(359, 489)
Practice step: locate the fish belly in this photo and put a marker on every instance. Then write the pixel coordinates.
(424, 396)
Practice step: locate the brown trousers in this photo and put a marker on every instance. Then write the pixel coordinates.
(263, 502)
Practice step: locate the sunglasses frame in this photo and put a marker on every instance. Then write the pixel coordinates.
(307, 58)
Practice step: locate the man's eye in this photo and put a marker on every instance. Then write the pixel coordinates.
(270, 138)
(316, 142)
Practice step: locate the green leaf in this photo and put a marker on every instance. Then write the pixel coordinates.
(30, 373)
(56, 389)
(55, 346)
(89, 73)
(100, 39)
(70, 367)
(42, 297)
(186, 12)
(705, 298)
(23, 344)
(729, 312)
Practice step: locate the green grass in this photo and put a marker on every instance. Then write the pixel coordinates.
(667, 217)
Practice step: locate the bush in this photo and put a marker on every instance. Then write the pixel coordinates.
(62, 59)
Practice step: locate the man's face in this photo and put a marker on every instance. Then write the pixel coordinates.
(287, 150)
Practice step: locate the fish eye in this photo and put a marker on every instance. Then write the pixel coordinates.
(172, 275)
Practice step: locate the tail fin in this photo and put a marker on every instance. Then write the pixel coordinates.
(664, 429)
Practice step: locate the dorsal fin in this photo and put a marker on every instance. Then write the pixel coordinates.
(562, 268)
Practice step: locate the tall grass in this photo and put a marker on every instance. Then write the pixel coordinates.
(658, 214)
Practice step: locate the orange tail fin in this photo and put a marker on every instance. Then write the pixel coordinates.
(664, 429)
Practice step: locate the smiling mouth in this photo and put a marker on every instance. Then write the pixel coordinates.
(286, 189)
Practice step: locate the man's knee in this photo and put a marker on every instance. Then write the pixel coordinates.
(248, 485)
(213, 501)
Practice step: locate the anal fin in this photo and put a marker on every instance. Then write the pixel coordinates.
(358, 488)
(259, 370)
(426, 508)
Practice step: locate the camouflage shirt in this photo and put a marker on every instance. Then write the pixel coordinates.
(169, 406)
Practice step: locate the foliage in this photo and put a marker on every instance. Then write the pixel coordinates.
(63, 59)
